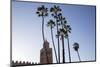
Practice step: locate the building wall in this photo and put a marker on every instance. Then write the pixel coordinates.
(46, 54)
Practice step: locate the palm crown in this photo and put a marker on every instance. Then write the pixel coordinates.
(51, 23)
(76, 46)
(55, 10)
(42, 11)
(67, 29)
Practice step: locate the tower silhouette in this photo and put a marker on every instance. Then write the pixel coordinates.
(46, 54)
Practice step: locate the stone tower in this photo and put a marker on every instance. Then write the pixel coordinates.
(46, 54)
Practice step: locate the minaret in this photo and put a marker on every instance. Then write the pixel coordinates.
(46, 54)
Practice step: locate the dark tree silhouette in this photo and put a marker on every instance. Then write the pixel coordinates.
(51, 24)
(68, 30)
(76, 47)
(61, 32)
(62, 21)
(43, 12)
(55, 10)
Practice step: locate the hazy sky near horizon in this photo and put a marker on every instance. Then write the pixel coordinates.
(27, 36)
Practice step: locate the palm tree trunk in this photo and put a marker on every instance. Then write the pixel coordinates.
(54, 45)
(58, 41)
(69, 50)
(43, 27)
(63, 52)
(58, 44)
(78, 56)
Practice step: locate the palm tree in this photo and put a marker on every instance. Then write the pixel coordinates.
(55, 11)
(42, 12)
(76, 47)
(51, 24)
(61, 32)
(62, 21)
(68, 30)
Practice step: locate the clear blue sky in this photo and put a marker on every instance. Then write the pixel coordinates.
(27, 36)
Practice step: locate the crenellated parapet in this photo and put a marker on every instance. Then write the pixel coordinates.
(23, 63)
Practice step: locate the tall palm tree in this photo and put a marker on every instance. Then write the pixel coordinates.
(68, 30)
(76, 47)
(43, 12)
(62, 21)
(61, 32)
(51, 24)
(55, 10)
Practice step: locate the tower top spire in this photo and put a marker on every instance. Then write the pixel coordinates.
(46, 44)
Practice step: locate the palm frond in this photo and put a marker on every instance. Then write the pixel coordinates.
(55, 6)
(43, 7)
(39, 8)
(52, 14)
(46, 14)
(37, 12)
(51, 9)
(65, 22)
(59, 14)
